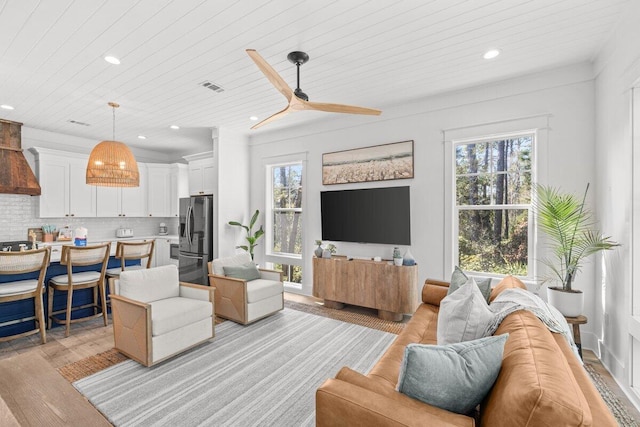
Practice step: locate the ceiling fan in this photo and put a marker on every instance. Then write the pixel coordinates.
(298, 100)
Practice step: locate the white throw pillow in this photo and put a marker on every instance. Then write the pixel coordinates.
(464, 315)
(150, 284)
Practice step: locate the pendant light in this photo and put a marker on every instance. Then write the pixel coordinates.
(111, 163)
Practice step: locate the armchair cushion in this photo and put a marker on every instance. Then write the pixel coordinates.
(174, 313)
(246, 271)
(219, 264)
(260, 289)
(150, 284)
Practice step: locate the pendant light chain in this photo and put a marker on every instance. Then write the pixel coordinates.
(113, 106)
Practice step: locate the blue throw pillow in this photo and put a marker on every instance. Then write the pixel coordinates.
(455, 377)
(246, 271)
(458, 278)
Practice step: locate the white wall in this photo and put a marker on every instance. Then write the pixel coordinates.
(232, 195)
(566, 94)
(617, 67)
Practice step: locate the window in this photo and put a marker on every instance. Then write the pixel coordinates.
(285, 228)
(492, 207)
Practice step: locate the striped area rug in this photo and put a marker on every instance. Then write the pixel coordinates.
(262, 374)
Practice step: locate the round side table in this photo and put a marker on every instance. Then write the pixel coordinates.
(576, 322)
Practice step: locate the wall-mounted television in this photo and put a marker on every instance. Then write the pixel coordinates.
(372, 215)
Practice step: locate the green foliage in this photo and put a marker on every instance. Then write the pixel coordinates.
(252, 238)
(568, 223)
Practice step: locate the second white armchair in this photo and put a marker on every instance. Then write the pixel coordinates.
(244, 293)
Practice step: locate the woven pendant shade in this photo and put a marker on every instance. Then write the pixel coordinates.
(111, 163)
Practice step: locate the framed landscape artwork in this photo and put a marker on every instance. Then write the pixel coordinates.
(377, 163)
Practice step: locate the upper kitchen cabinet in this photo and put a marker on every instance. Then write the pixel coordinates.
(179, 187)
(159, 195)
(124, 201)
(201, 173)
(62, 178)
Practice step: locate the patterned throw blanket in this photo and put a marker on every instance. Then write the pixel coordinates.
(511, 300)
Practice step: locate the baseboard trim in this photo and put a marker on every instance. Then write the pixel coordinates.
(618, 372)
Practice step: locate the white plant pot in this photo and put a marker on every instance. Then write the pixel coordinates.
(570, 304)
(397, 261)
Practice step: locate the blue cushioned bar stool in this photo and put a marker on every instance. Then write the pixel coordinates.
(23, 263)
(80, 256)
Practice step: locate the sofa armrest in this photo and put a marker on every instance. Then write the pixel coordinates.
(339, 403)
(434, 291)
(199, 292)
(270, 274)
(132, 328)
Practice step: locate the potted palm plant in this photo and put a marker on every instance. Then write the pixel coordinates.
(252, 238)
(570, 227)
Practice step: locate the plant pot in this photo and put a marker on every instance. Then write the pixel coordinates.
(318, 252)
(326, 253)
(397, 261)
(569, 303)
(48, 237)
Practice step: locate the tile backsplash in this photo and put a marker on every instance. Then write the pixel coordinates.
(18, 213)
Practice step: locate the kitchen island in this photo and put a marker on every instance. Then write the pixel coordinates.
(12, 313)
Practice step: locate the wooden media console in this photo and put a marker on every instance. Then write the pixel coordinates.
(392, 290)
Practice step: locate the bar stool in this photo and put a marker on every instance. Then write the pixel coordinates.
(19, 263)
(78, 256)
(129, 251)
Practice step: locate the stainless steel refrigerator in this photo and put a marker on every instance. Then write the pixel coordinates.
(196, 238)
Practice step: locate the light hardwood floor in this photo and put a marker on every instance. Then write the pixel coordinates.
(90, 338)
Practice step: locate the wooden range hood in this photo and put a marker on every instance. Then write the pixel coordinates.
(16, 176)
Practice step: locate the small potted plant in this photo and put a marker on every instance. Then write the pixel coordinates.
(318, 251)
(569, 225)
(329, 251)
(252, 238)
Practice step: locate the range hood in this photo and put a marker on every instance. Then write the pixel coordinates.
(16, 176)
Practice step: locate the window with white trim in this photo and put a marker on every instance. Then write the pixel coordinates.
(285, 219)
(493, 218)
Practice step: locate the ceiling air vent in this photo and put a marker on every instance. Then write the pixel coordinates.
(210, 85)
(75, 122)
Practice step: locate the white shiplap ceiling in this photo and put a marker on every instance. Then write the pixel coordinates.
(371, 53)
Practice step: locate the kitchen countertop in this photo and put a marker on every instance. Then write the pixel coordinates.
(55, 251)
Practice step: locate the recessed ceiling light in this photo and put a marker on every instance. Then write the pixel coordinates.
(176, 127)
(491, 53)
(112, 60)
(6, 107)
(142, 137)
(253, 118)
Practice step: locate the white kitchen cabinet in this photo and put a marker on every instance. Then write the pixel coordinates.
(179, 187)
(201, 176)
(124, 201)
(159, 190)
(62, 178)
(162, 253)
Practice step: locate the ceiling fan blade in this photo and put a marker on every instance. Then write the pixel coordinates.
(271, 74)
(276, 116)
(340, 108)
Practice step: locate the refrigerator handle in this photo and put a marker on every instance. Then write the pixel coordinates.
(191, 257)
(189, 220)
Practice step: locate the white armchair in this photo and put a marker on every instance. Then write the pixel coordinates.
(241, 300)
(156, 317)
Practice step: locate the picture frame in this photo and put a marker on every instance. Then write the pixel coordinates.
(375, 163)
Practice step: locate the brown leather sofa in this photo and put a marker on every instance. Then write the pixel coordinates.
(541, 382)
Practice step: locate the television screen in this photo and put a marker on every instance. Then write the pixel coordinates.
(373, 215)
